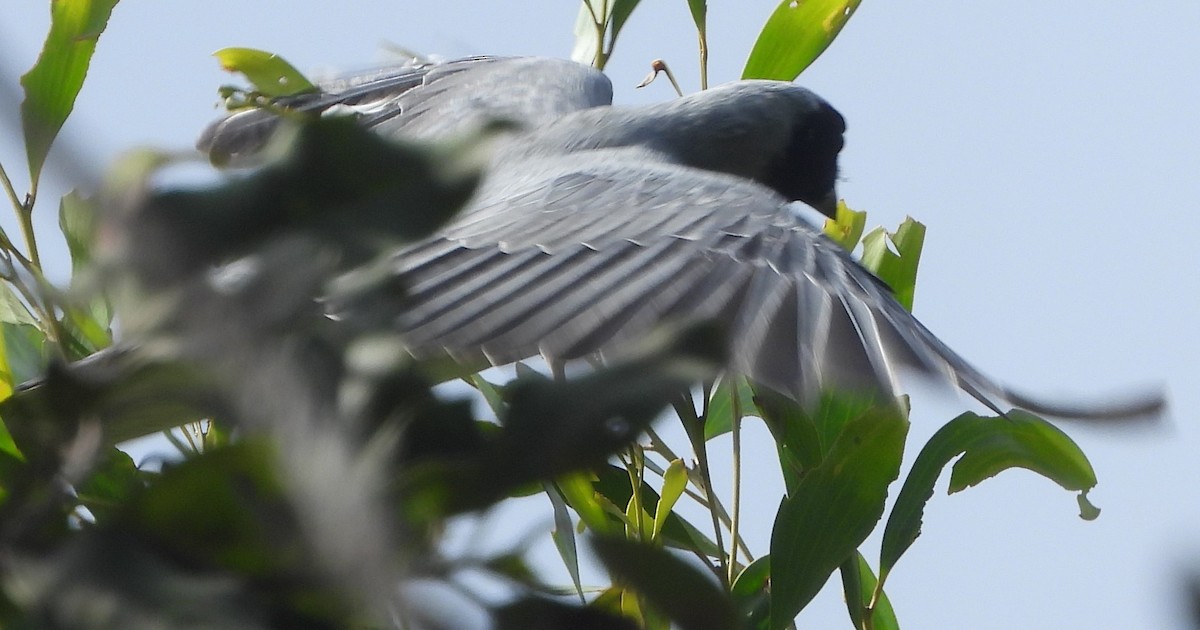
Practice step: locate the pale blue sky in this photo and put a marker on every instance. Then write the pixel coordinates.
(1050, 147)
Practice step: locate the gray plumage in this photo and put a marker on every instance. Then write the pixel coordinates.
(596, 223)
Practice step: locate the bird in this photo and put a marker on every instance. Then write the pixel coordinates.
(597, 223)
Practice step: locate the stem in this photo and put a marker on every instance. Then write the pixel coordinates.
(601, 23)
(703, 37)
(25, 217)
(737, 477)
(694, 428)
(8, 188)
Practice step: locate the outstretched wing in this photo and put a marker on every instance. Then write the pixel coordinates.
(428, 100)
(604, 247)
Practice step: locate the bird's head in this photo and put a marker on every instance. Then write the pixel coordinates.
(806, 169)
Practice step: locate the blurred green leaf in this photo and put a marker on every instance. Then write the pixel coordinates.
(612, 483)
(719, 420)
(12, 309)
(56, 78)
(564, 537)
(332, 180)
(858, 587)
(269, 73)
(898, 269)
(24, 353)
(691, 599)
(77, 220)
(834, 508)
(579, 493)
(675, 481)
(751, 592)
(536, 613)
(795, 35)
(847, 228)
(988, 446)
(113, 480)
(7, 446)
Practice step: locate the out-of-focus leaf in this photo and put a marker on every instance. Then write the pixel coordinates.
(833, 509)
(56, 78)
(111, 483)
(898, 269)
(12, 309)
(535, 613)
(612, 484)
(987, 446)
(589, 49)
(674, 483)
(858, 586)
(688, 597)
(129, 400)
(269, 73)
(491, 394)
(24, 353)
(77, 220)
(847, 228)
(795, 35)
(7, 446)
(87, 324)
(719, 420)
(577, 489)
(555, 427)
(751, 593)
(334, 180)
(564, 537)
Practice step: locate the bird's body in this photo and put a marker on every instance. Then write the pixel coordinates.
(597, 223)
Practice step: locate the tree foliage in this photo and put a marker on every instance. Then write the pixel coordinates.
(316, 463)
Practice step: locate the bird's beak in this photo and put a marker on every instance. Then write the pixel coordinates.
(827, 205)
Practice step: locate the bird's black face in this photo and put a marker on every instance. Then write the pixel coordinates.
(807, 170)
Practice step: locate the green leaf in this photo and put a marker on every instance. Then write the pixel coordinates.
(674, 482)
(898, 269)
(589, 49)
(8, 447)
(579, 493)
(24, 353)
(563, 535)
(56, 78)
(795, 35)
(491, 393)
(833, 509)
(612, 485)
(12, 309)
(847, 228)
(677, 589)
(111, 483)
(719, 420)
(77, 220)
(1023, 441)
(621, 10)
(988, 446)
(699, 9)
(858, 586)
(751, 592)
(269, 73)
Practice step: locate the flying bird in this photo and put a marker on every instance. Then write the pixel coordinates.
(596, 223)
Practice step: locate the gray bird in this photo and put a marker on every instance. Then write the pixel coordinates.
(596, 223)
